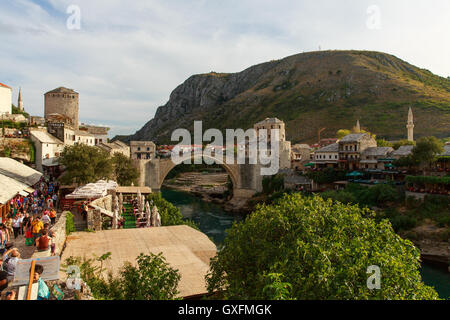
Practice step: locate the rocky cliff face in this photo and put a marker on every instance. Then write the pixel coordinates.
(309, 91)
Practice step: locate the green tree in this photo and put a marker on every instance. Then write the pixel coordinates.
(426, 151)
(85, 164)
(152, 279)
(342, 133)
(321, 248)
(384, 143)
(124, 171)
(273, 183)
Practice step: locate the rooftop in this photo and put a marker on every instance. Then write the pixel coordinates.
(403, 151)
(62, 90)
(4, 86)
(334, 147)
(377, 151)
(184, 248)
(269, 121)
(93, 190)
(18, 171)
(9, 188)
(354, 137)
(133, 190)
(446, 151)
(45, 137)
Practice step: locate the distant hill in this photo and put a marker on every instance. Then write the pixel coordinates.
(309, 91)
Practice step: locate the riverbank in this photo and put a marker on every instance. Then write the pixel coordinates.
(213, 220)
(210, 187)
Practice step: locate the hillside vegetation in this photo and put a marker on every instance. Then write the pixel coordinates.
(309, 91)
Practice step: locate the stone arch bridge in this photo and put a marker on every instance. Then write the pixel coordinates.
(246, 178)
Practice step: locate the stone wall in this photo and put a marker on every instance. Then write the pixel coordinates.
(59, 230)
(94, 215)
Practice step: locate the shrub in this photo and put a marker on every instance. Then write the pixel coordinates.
(170, 215)
(151, 279)
(70, 225)
(318, 249)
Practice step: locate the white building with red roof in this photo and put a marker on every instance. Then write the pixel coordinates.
(5, 99)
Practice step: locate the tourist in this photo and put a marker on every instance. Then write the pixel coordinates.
(10, 259)
(84, 210)
(16, 224)
(52, 236)
(53, 216)
(43, 242)
(43, 291)
(4, 238)
(55, 200)
(3, 280)
(8, 224)
(45, 218)
(36, 227)
(25, 222)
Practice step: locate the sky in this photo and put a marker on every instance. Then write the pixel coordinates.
(125, 57)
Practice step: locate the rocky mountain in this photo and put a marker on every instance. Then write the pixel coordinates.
(310, 91)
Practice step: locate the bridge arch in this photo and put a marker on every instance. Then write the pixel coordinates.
(167, 165)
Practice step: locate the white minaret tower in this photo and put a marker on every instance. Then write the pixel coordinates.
(20, 102)
(410, 125)
(357, 128)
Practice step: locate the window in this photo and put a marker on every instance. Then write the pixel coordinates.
(139, 148)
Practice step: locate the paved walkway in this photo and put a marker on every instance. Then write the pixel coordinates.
(184, 248)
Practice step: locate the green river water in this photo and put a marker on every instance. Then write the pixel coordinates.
(214, 221)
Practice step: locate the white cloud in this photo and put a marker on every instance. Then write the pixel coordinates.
(129, 56)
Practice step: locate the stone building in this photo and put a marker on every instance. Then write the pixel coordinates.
(115, 147)
(100, 133)
(68, 135)
(401, 152)
(62, 101)
(372, 158)
(351, 147)
(142, 150)
(48, 149)
(284, 146)
(327, 157)
(300, 155)
(5, 99)
(36, 121)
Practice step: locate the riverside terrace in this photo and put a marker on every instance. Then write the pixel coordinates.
(184, 248)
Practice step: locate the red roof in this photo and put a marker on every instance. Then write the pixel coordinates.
(4, 85)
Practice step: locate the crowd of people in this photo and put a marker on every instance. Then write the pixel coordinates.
(31, 217)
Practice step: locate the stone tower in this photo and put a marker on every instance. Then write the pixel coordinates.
(62, 101)
(20, 102)
(410, 125)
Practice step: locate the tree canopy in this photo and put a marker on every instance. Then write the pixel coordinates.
(124, 172)
(85, 164)
(426, 150)
(310, 248)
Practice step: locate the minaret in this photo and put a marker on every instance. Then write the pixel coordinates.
(20, 102)
(357, 128)
(410, 125)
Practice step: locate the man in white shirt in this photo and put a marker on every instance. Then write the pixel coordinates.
(10, 259)
(45, 218)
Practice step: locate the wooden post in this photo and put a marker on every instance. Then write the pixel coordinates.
(30, 282)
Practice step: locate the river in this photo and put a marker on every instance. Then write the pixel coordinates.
(214, 221)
